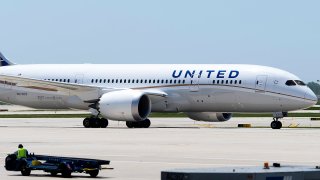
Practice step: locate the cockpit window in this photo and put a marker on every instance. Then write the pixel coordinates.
(300, 83)
(290, 83)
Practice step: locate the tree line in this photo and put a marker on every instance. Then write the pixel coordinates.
(315, 87)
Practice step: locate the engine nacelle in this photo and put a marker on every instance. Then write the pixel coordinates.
(209, 116)
(125, 105)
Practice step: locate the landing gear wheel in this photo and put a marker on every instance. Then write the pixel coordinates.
(130, 124)
(146, 123)
(279, 124)
(94, 173)
(104, 123)
(87, 122)
(140, 124)
(95, 123)
(276, 124)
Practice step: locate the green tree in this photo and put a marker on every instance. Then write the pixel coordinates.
(315, 87)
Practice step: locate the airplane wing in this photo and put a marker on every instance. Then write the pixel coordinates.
(85, 92)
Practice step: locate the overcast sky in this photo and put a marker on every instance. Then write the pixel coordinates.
(283, 34)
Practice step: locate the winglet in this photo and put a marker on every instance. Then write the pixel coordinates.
(4, 61)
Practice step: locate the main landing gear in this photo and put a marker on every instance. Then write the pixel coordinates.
(95, 122)
(138, 124)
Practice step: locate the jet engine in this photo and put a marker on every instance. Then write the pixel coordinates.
(209, 116)
(125, 105)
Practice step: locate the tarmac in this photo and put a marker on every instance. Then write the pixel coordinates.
(141, 154)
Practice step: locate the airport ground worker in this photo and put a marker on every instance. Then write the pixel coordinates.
(22, 152)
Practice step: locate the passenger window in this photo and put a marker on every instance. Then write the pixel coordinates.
(128, 80)
(290, 83)
(104, 81)
(100, 80)
(213, 81)
(149, 81)
(120, 80)
(116, 80)
(235, 81)
(231, 81)
(170, 81)
(167, 81)
(91, 80)
(222, 81)
(218, 81)
(68, 80)
(158, 81)
(300, 83)
(124, 81)
(227, 81)
(184, 81)
(179, 81)
(112, 80)
(240, 82)
(141, 81)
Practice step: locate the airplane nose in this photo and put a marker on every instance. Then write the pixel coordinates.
(311, 97)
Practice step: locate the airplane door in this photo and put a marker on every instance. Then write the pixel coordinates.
(261, 82)
(79, 79)
(194, 85)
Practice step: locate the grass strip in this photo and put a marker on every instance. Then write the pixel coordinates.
(313, 108)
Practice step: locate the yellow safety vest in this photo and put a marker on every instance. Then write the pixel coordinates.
(22, 153)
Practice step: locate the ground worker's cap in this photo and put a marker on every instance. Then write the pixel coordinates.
(20, 146)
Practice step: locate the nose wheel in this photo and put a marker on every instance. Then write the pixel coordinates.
(95, 122)
(276, 124)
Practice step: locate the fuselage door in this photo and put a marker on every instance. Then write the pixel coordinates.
(79, 79)
(261, 82)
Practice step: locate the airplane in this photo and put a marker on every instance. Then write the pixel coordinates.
(130, 92)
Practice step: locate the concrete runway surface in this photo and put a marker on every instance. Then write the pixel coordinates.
(169, 143)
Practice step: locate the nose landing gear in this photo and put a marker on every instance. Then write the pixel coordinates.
(276, 124)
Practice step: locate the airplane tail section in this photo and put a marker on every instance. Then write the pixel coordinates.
(4, 61)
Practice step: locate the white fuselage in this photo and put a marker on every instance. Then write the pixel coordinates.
(190, 88)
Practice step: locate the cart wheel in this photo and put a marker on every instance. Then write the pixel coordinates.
(53, 173)
(66, 173)
(24, 170)
(94, 173)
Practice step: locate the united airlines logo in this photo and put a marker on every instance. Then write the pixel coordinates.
(220, 74)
